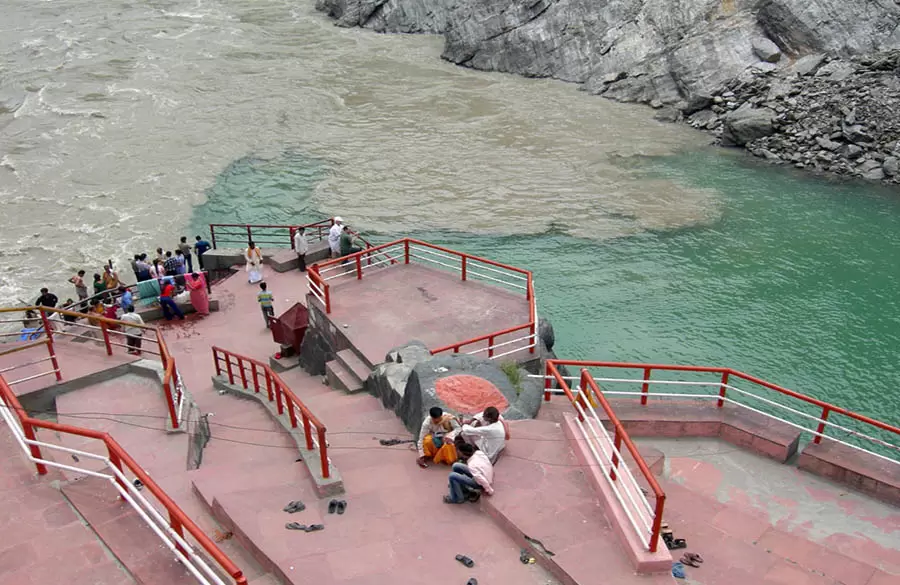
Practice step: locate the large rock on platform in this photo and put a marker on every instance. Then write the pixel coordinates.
(746, 124)
(411, 381)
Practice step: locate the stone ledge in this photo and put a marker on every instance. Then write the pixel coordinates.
(866, 473)
(324, 487)
(702, 418)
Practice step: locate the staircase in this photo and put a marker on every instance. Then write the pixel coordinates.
(347, 371)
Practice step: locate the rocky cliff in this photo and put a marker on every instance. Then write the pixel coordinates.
(677, 53)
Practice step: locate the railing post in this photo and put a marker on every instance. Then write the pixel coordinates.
(212, 235)
(657, 522)
(528, 287)
(406, 251)
(48, 329)
(292, 413)
(243, 373)
(358, 267)
(28, 431)
(255, 381)
(721, 401)
(323, 454)
(464, 267)
(249, 235)
(106, 337)
(170, 403)
(176, 525)
(533, 337)
(491, 346)
(645, 388)
(307, 430)
(617, 442)
(228, 367)
(117, 462)
(327, 297)
(278, 398)
(547, 383)
(821, 428)
(291, 231)
(269, 384)
(455, 349)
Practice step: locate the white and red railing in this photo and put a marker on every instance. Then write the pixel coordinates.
(170, 524)
(110, 331)
(606, 451)
(251, 373)
(727, 386)
(404, 251)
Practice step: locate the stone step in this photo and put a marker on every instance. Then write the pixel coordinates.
(354, 363)
(341, 378)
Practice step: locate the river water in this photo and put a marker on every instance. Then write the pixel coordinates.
(125, 125)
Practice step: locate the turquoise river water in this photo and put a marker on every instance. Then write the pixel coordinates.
(796, 282)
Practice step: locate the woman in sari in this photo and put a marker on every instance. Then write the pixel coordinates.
(196, 283)
(253, 256)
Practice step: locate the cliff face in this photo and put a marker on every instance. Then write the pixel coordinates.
(634, 50)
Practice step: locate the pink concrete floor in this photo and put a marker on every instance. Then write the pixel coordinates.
(390, 307)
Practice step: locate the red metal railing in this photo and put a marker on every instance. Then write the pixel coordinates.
(178, 521)
(632, 491)
(247, 371)
(467, 265)
(725, 387)
(172, 384)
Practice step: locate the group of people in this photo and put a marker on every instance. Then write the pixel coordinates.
(470, 447)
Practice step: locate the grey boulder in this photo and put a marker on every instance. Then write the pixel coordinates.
(747, 124)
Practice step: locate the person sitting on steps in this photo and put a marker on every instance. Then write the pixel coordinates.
(487, 431)
(436, 438)
(469, 478)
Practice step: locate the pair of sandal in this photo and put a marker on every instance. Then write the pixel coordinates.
(691, 559)
(304, 527)
(337, 506)
(295, 506)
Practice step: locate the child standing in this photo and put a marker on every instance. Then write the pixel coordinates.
(266, 303)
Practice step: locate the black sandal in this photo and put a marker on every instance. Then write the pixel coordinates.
(295, 506)
(332, 506)
(465, 560)
(341, 506)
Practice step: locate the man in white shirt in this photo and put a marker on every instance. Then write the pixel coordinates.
(334, 237)
(301, 246)
(133, 335)
(487, 431)
(468, 480)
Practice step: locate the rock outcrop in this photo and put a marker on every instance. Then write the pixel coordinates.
(828, 115)
(675, 55)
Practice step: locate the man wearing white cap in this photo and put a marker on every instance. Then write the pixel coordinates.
(334, 237)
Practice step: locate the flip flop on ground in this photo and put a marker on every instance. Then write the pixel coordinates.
(295, 506)
(465, 560)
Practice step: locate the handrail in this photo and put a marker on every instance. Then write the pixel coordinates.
(321, 289)
(173, 535)
(280, 393)
(621, 436)
(724, 384)
(247, 232)
(172, 384)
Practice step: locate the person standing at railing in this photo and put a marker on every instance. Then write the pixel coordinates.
(200, 248)
(143, 268)
(267, 303)
(196, 283)
(253, 255)
(186, 252)
(158, 270)
(171, 264)
(110, 277)
(133, 335)
(47, 298)
(347, 240)
(334, 237)
(167, 303)
(180, 262)
(301, 247)
(80, 287)
(127, 299)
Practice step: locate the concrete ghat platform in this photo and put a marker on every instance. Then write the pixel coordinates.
(394, 305)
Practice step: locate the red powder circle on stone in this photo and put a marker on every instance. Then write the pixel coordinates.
(469, 394)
